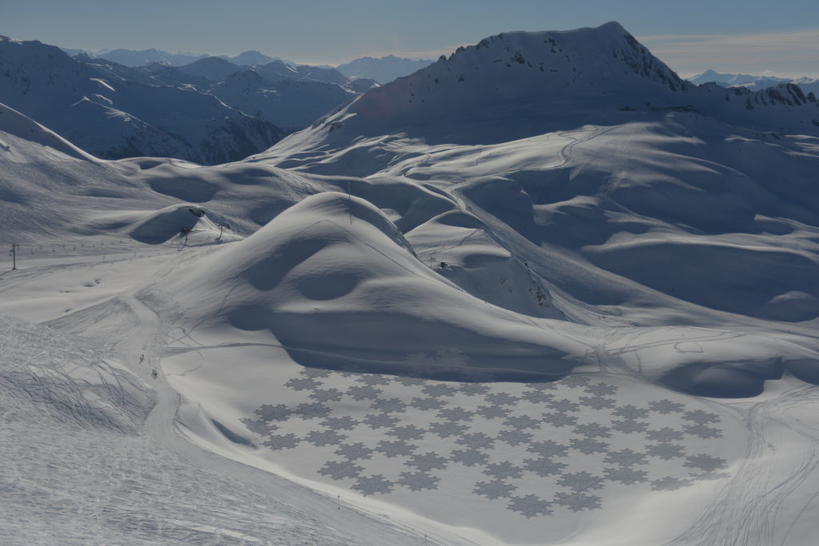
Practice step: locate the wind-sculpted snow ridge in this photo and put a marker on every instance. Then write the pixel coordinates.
(15, 123)
(51, 188)
(335, 264)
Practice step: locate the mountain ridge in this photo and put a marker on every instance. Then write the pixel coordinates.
(382, 69)
(754, 82)
(111, 115)
(515, 85)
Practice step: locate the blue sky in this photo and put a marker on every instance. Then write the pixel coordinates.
(690, 35)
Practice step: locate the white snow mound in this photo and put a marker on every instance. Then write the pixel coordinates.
(336, 283)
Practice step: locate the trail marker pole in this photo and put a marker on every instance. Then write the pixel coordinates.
(14, 256)
(222, 227)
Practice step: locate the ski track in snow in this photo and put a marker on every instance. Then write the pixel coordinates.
(65, 482)
(749, 509)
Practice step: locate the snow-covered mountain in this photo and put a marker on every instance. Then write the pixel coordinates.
(208, 111)
(292, 103)
(112, 115)
(542, 291)
(250, 58)
(635, 151)
(382, 69)
(280, 70)
(754, 83)
(137, 58)
(520, 84)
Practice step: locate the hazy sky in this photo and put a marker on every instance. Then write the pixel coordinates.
(755, 36)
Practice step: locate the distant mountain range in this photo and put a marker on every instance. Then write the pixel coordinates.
(210, 110)
(114, 111)
(383, 69)
(755, 83)
(290, 96)
(142, 57)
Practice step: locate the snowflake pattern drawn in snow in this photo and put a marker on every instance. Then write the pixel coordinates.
(536, 448)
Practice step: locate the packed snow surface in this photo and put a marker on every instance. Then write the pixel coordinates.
(542, 291)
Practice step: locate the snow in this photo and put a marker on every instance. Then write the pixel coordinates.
(519, 313)
(351, 276)
(86, 462)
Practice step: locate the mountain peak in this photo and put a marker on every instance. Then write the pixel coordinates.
(587, 50)
(612, 26)
(518, 73)
(251, 58)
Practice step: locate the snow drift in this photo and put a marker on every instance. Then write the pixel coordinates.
(336, 266)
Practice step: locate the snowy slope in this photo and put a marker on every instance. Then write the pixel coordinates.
(575, 306)
(290, 103)
(49, 188)
(280, 70)
(331, 264)
(91, 456)
(649, 193)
